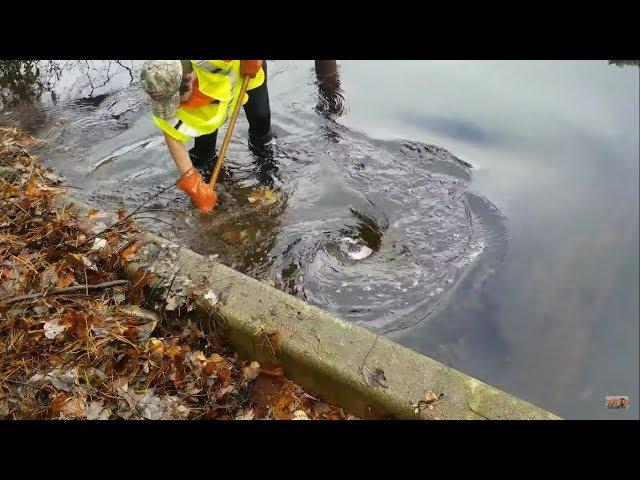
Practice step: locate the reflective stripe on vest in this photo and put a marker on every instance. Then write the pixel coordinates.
(208, 66)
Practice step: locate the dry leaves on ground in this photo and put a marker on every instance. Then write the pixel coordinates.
(101, 354)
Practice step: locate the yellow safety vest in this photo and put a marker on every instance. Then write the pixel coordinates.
(217, 79)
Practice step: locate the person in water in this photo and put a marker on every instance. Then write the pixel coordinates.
(193, 99)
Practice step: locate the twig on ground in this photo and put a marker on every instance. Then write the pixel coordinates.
(60, 291)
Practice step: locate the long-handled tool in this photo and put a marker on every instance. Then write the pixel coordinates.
(227, 136)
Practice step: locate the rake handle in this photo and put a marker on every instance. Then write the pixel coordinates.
(227, 137)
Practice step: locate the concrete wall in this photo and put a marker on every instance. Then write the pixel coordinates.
(327, 356)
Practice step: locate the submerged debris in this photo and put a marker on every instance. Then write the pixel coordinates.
(263, 196)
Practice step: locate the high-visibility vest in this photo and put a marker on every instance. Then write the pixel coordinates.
(220, 80)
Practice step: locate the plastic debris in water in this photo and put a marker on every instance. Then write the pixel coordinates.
(355, 250)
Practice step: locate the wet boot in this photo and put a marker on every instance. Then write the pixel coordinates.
(263, 146)
(264, 150)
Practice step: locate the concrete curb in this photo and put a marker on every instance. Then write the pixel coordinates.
(322, 353)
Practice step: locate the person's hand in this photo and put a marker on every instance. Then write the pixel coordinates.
(250, 67)
(192, 183)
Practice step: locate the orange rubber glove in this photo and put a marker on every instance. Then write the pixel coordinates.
(250, 67)
(201, 194)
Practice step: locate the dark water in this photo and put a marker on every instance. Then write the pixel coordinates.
(495, 205)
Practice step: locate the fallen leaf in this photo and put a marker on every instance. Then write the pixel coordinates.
(173, 351)
(94, 409)
(271, 370)
(145, 331)
(52, 328)
(120, 385)
(251, 371)
(81, 260)
(224, 390)
(374, 377)
(40, 308)
(151, 407)
(300, 415)
(48, 278)
(73, 408)
(212, 297)
(138, 281)
(105, 414)
(284, 402)
(6, 273)
(99, 244)
(249, 415)
(282, 415)
(156, 347)
(129, 252)
(62, 380)
(64, 280)
(32, 190)
(266, 392)
(431, 397)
